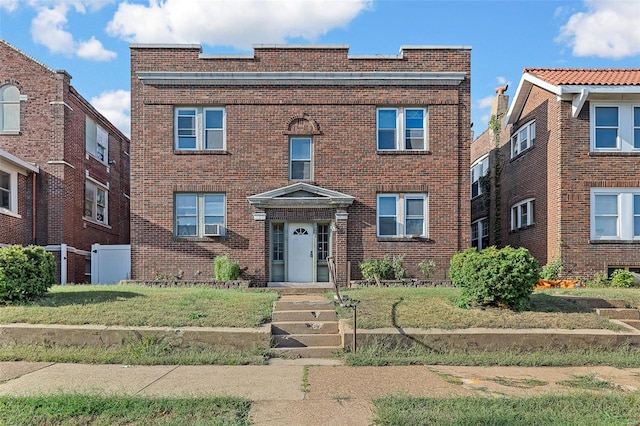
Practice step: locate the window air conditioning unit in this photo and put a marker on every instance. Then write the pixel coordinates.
(213, 230)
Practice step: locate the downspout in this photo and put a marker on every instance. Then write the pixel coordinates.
(33, 207)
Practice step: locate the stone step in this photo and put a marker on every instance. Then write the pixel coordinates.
(307, 352)
(303, 305)
(311, 327)
(619, 313)
(594, 302)
(288, 316)
(305, 340)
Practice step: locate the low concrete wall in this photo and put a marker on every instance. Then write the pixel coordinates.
(482, 339)
(103, 336)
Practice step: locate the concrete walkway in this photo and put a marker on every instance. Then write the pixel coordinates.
(283, 394)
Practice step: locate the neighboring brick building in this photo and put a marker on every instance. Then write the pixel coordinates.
(294, 154)
(570, 169)
(64, 169)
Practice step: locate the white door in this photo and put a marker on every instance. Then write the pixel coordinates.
(300, 253)
(110, 263)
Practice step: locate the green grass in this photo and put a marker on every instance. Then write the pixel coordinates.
(436, 308)
(576, 409)
(144, 306)
(416, 354)
(98, 410)
(589, 381)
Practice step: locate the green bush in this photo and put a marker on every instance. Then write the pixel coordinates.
(225, 268)
(621, 278)
(385, 269)
(495, 277)
(552, 270)
(427, 267)
(25, 273)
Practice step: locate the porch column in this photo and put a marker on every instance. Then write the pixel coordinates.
(260, 272)
(340, 255)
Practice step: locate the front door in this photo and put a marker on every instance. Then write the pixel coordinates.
(300, 253)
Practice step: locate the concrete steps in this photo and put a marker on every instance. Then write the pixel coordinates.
(619, 313)
(305, 326)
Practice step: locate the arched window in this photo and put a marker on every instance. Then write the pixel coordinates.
(9, 109)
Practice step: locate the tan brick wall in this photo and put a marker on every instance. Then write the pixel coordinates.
(345, 157)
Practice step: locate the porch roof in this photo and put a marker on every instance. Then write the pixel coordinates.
(301, 195)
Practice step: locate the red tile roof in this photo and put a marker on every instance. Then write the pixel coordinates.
(592, 77)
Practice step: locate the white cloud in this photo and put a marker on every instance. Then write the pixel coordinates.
(608, 29)
(116, 106)
(93, 49)
(238, 23)
(48, 29)
(485, 102)
(9, 5)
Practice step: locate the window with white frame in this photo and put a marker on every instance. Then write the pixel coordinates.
(523, 138)
(402, 215)
(615, 213)
(200, 129)
(479, 169)
(97, 141)
(9, 109)
(522, 214)
(96, 203)
(480, 234)
(301, 158)
(7, 191)
(615, 127)
(200, 214)
(402, 129)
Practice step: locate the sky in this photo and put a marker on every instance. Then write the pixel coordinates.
(90, 38)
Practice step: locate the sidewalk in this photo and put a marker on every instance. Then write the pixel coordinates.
(331, 394)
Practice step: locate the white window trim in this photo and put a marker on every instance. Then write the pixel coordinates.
(13, 191)
(401, 216)
(624, 231)
(199, 215)
(105, 188)
(516, 214)
(515, 146)
(624, 140)
(483, 162)
(4, 103)
(200, 128)
(311, 168)
(94, 139)
(478, 225)
(400, 128)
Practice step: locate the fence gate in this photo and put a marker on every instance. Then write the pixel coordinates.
(110, 263)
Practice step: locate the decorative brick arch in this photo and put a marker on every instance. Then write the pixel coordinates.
(302, 125)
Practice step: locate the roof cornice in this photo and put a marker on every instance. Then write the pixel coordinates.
(10, 158)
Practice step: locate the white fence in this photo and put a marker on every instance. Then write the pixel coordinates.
(110, 263)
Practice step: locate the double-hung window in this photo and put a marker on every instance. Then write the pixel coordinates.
(199, 214)
(479, 169)
(301, 158)
(480, 234)
(97, 141)
(615, 214)
(615, 127)
(6, 191)
(523, 138)
(522, 214)
(96, 203)
(402, 129)
(402, 215)
(9, 109)
(200, 129)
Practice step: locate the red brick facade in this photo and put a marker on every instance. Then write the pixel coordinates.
(283, 91)
(52, 136)
(561, 169)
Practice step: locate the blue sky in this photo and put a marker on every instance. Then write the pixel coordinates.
(90, 38)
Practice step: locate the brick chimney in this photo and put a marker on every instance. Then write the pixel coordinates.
(500, 103)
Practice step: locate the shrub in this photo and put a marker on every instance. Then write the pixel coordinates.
(552, 270)
(377, 269)
(225, 268)
(495, 277)
(25, 273)
(621, 278)
(427, 267)
(399, 271)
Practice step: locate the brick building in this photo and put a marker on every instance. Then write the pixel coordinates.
(64, 169)
(569, 162)
(295, 154)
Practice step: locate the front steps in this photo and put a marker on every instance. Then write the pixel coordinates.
(305, 326)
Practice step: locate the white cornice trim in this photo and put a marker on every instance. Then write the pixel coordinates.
(61, 163)
(10, 158)
(302, 78)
